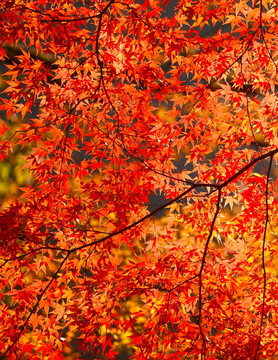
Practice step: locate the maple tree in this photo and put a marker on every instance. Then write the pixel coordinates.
(112, 102)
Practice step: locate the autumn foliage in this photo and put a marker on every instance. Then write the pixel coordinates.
(112, 106)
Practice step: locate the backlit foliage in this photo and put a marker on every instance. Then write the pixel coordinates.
(113, 102)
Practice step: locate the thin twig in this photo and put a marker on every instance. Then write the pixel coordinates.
(201, 271)
(34, 307)
(263, 257)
